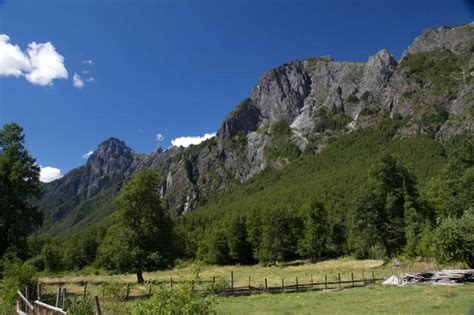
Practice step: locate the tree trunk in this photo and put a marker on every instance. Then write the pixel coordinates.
(140, 277)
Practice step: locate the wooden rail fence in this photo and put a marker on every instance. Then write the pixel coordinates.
(24, 307)
(221, 288)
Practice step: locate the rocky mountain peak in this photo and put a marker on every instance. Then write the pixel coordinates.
(111, 155)
(456, 39)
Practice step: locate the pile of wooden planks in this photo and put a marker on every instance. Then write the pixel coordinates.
(442, 277)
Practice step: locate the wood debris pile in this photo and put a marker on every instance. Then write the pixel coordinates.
(443, 277)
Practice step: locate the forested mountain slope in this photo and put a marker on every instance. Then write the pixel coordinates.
(308, 123)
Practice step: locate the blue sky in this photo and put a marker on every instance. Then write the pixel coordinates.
(176, 68)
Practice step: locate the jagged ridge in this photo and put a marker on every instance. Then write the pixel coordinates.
(316, 98)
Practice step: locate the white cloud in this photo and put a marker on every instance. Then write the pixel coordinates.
(90, 79)
(49, 174)
(77, 81)
(187, 141)
(47, 64)
(13, 62)
(160, 137)
(85, 72)
(88, 61)
(85, 156)
(40, 64)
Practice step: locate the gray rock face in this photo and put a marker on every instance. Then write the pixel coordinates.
(280, 93)
(312, 97)
(111, 157)
(457, 39)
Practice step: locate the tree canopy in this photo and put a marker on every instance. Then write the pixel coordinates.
(19, 186)
(142, 237)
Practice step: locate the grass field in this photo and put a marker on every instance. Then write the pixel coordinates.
(422, 299)
(418, 299)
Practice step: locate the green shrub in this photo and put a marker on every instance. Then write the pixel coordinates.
(179, 300)
(352, 99)
(80, 306)
(332, 120)
(439, 67)
(454, 240)
(16, 275)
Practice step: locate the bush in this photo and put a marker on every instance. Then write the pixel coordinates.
(454, 240)
(81, 307)
(180, 300)
(16, 275)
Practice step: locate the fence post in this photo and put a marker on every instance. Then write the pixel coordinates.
(58, 296)
(103, 289)
(250, 287)
(38, 291)
(127, 296)
(85, 290)
(339, 278)
(297, 288)
(149, 289)
(64, 297)
(352, 277)
(373, 276)
(171, 282)
(213, 281)
(326, 281)
(266, 285)
(363, 277)
(232, 281)
(312, 285)
(27, 295)
(282, 285)
(97, 306)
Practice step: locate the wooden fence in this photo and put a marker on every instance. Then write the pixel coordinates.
(24, 307)
(221, 288)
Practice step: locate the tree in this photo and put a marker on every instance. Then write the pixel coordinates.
(388, 217)
(213, 249)
(452, 191)
(19, 184)
(240, 249)
(279, 235)
(454, 240)
(313, 245)
(142, 237)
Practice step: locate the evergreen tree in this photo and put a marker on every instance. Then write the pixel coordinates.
(143, 233)
(388, 216)
(280, 229)
(19, 184)
(452, 191)
(214, 249)
(314, 243)
(240, 249)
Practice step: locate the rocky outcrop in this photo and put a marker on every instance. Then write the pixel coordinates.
(457, 39)
(432, 85)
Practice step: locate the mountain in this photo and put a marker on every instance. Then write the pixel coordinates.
(296, 109)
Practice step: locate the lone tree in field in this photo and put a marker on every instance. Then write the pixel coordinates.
(142, 238)
(19, 183)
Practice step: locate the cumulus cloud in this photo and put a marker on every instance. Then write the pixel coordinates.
(160, 137)
(49, 174)
(13, 62)
(47, 64)
(77, 81)
(187, 141)
(85, 156)
(40, 64)
(88, 61)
